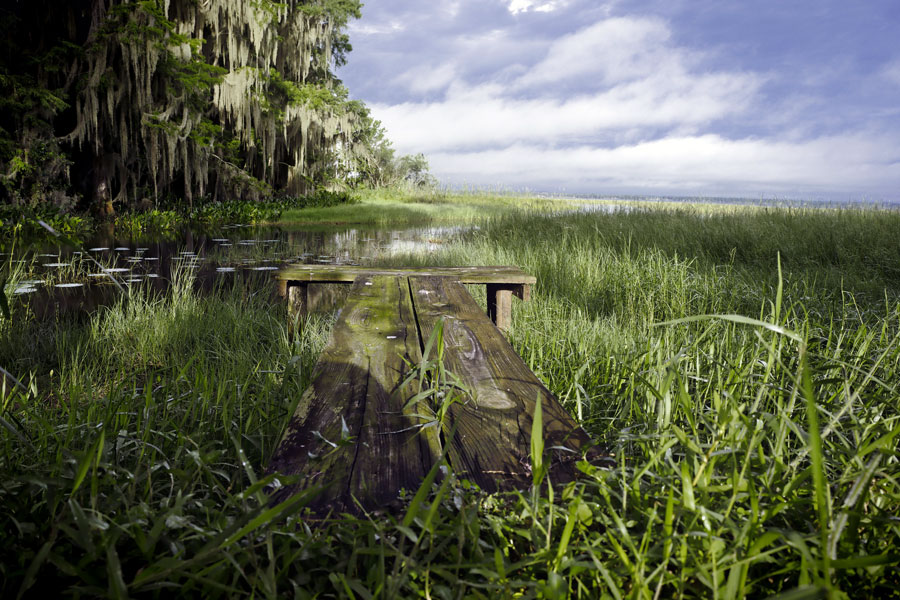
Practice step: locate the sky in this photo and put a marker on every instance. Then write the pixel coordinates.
(769, 99)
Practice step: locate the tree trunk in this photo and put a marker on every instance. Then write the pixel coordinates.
(100, 189)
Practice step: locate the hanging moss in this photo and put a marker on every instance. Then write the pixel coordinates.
(202, 97)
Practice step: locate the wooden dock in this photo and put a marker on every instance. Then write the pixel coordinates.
(353, 432)
(502, 283)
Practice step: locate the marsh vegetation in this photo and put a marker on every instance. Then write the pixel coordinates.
(741, 363)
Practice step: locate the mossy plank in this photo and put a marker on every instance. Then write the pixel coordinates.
(394, 451)
(347, 274)
(343, 433)
(493, 430)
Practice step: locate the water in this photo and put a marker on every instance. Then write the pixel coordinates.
(67, 280)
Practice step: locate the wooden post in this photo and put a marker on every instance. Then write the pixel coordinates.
(523, 292)
(499, 305)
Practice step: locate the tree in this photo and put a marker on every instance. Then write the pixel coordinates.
(415, 170)
(375, 164)
(178, 98)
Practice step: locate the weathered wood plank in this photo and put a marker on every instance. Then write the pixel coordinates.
(492, 442)
(354, 383)
(394, 451)
(348, 274)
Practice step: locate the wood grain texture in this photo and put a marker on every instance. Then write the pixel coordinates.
(493, 430)
(499, 305)
(352, 434)
(348, 274)
(355, 383)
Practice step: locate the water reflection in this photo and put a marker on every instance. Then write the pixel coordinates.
(77, 282)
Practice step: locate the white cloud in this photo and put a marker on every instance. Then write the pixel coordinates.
(358, 29)
(852, 164)
(619, 105)
(520, 6)
(486, 116)
(612, 50)
(628, 77)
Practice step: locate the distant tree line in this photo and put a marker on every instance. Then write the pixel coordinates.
(109, 103)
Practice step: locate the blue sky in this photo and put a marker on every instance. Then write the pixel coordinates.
(775, 99)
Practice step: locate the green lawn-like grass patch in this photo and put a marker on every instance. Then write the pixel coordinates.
(410, 207)
(742, 363)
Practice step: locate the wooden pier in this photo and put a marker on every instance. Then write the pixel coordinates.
(353, 432)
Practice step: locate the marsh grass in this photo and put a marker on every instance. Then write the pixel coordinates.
(748, 388)
(397, 208)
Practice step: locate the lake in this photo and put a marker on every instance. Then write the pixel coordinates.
(66, 279)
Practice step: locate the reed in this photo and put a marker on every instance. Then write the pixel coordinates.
(743, 366)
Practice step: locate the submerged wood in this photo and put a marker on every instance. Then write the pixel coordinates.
(353, 433)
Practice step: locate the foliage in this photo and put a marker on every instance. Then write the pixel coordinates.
(756, 448)
(23, 224)
(116, 100)
(377, 166)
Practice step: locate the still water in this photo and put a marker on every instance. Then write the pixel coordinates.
(66, 280)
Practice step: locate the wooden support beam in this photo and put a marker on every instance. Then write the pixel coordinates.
(347, 274)
(499, 305)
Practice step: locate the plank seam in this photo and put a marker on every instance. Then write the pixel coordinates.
(442, 440)
(362, 423)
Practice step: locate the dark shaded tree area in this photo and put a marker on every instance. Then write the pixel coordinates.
(109, 103)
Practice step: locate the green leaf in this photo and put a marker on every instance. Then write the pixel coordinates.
(740, 319)
(866, 561)
(687, 487)
(537, 443)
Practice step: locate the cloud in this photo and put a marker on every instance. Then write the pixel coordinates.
(625, 81)
(589, 102)
(611, 51)
(427, 79)
(520, 6)
(360, 29)
(706, 164)
(483, 116)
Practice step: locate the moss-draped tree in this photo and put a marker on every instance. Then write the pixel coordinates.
(123, 100)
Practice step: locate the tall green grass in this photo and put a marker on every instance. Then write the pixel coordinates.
(743, 366)
(421, 207)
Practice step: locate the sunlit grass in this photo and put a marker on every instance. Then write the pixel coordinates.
(742, 365)
(411, 207)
